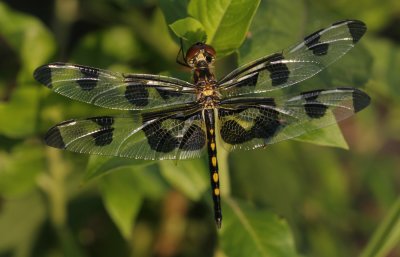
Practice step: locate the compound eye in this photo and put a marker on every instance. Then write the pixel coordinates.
(191, 62)
(194, 50)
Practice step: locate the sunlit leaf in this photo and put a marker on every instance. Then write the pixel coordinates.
(191, 177)
(174, 10)
(189, 29)
(225, 21)
(34, 45)
(100, 48)
(101, 165)
(24, 34)
(386, 54)
(276, 25)
(248, 231)
(122, 200)
(19, 169)
(329, 136)
(20, 220)
(23, 104)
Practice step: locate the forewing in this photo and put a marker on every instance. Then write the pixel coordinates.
(294, 64)
(256, 122)
(115, 90)
(138, 136)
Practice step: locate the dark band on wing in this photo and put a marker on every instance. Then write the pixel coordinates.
(137, 94)
(90, 77)
(314, 109)
(167, 94)
(360, 99)
(163, 140)
(53, 136)
(265, 126)
(103, 121)
(279, 72)
(248, 82)
(104, 136)
(313, 43)
(233, 133)
(266, 129)
(43, 75)
(194, 139)
(356, 28)
(160, 139)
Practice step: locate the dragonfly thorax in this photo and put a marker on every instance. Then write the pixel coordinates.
(201, 58)
(208, 96)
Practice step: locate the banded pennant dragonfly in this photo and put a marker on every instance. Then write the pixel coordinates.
(168, 118)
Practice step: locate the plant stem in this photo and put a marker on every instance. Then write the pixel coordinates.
(387, 236)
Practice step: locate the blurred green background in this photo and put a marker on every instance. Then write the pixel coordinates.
(291, 199)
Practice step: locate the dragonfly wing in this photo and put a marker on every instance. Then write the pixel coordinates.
(296, 63)
(150, 136)
(115, 90)
(256, 122)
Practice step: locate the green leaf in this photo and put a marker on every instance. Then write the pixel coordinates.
(189, 29)
(226, 22)
(100, 48)
(276, 25)
(173, 10)
(387, 235)
(190, 177)
(19, 169)
(20, 220)
(33, 45)
(28, 36)
(101, 165)
(329, 136)
(23, 104)
(121, 199)
(386, 55)
(153, 32)
(248, 231)
(69, 244)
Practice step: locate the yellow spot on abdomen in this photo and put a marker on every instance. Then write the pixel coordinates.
(215, 177)
(211, 131)
(216, 191)
(214, 161)
(212, 145)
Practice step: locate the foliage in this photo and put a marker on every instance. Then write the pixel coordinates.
(292, 199)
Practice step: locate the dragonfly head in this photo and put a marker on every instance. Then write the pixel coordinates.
(200, 55)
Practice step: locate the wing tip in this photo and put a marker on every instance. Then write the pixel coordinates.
(53, 136)
(360, 100)
(43, 74)
(356, 28)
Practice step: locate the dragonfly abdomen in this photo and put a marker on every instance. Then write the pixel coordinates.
(209, 118)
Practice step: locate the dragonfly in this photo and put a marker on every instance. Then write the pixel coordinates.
(168, 118)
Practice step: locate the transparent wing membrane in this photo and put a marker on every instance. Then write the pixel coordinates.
(115, 90)
(296, 63)
(260, 121)
(152, 137)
